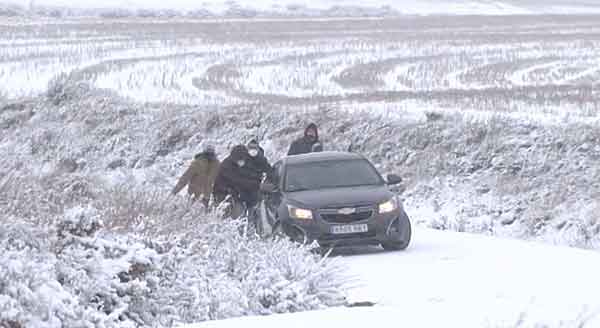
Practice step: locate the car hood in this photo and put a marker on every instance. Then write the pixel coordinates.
(340, 197)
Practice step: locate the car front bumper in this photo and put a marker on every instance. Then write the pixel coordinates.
(381, 228)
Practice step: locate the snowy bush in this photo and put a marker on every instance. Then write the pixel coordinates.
(61, 88)
(141, 257)
(77, 273)
(30, 295)
(56, 92)
(39, 199)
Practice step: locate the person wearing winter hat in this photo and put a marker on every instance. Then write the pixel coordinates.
(231, 179)
(200, 176)
(306, 142)
(256, 166)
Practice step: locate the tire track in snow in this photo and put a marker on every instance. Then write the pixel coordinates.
(247, 79)
(590, 76)
(166, 78)
(375, 75)
(525, 76)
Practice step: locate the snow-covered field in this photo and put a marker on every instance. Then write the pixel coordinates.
(482, 64)
(493, 122)
(308, 7)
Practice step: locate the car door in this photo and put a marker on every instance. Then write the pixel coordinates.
(272, 201)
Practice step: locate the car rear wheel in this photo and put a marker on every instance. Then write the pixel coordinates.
(403, 244)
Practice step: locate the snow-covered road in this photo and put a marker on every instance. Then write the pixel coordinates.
(448, 279)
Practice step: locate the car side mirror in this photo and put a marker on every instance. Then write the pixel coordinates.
(393, 179)
(267, 187)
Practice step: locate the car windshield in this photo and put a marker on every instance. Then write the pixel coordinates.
(330, 174)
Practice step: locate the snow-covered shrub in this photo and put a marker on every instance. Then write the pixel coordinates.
(40, 199)
(56, 92)
(79, 221)
(5, 180)
(148, 212)
(77, 274)
(30, 295)
(288, 278)
(61, 88)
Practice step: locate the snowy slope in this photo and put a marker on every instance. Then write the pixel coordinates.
(460, 280)
(419, 7)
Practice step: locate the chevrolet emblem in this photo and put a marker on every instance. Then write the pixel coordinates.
(347, 211)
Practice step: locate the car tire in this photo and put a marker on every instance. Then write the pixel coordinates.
(322, 251)
(295, 234)
(402, 245)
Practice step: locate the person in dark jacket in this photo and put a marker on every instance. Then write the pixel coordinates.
(304, 145)
(200, 176)
(231, 180)
(255, 168)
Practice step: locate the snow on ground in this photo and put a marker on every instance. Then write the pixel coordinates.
(30, 77)
(464, 280)
(171, 80)
(448, 279)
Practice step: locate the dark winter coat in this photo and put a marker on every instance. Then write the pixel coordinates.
(231, 179)
(200, 176)
(256, 166)
(304, 145)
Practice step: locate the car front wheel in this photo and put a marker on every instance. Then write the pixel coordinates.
(403, 244)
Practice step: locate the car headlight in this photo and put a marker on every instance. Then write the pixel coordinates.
(299, 213)
(388, 206)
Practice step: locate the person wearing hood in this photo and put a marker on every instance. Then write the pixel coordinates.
(200, 176)
(306, 142)
(255, 168)
(231, 179)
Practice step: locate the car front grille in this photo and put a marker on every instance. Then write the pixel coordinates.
(332, 237)
(347, 218)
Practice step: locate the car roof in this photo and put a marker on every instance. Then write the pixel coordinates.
(321, 157)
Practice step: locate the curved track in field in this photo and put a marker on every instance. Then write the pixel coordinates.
(490, 64)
